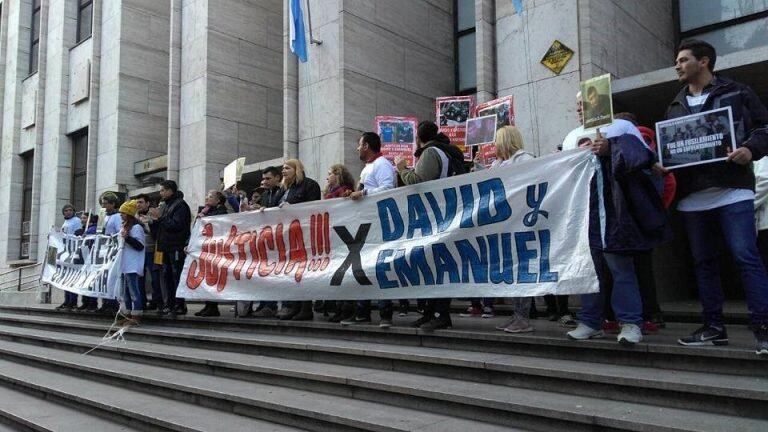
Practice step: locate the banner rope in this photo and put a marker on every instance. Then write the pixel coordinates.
(117, 336)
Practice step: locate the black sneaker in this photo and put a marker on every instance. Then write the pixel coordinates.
(63, 306)
(164, 311)
(705, 335)
(402, 311)
(439, 322)
(421, 321)
(761, 335)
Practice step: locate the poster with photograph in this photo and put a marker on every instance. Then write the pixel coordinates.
(597, 101)
(696, 139)
(481, 130)
(504, 110)
(452, 113)
(398, 136)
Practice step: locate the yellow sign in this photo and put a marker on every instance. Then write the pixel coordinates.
(557, 57)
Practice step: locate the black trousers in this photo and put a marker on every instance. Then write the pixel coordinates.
(173, 264)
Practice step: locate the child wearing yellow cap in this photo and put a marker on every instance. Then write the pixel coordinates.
(132, 263)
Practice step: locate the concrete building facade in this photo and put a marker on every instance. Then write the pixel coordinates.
(102, 95)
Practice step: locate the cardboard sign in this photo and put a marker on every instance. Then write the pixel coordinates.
(696, 139)
(233, 172)
(504, 110)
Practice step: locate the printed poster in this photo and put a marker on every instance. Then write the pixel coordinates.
(398, 136)
(452, 114)
(481, 130)
(696, 139)
(597, 101)
(504, 110)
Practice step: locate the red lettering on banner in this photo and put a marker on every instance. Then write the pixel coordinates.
(248, 252)
(241, 241)
(298, 252)
(265, 240)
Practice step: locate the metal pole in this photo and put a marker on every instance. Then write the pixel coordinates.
(312, 39)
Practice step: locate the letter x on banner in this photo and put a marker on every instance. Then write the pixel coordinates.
(512, 231)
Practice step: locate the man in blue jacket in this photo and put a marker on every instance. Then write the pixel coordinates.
(626, 217)
(718, 197)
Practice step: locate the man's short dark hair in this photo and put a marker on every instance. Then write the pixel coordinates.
(426, 131)
(275, 171)
(109, 197)
(700, 49)
(591, 89)
(145, 197)
(628, 116)
(373, 140)
(169, 184)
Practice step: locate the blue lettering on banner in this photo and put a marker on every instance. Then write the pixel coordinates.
(544, 274)
(477, 261)
(443, 219)
(444, 263)
(492, 189)
(535, 204)
(468, 204)
(410, 272)
(382, 267)
(524, 256)
(388, 210)
(417, 217)
(501, 263)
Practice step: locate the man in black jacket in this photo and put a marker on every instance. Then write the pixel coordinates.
(719, 196)
(270, 181)
(171, 229)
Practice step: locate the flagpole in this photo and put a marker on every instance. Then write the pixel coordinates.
(312, 39)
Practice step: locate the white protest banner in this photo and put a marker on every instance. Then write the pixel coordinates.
(88, 265)
(520, 230)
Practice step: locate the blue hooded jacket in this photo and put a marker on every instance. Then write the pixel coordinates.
(626, 211)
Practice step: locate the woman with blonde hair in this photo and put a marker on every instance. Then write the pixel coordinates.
(297, 188)
(509, 147)
(338, 183)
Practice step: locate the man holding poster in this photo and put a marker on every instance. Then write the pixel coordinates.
(719, 195)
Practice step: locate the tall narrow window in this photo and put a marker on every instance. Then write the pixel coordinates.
(464, 46)
(34, 39)
(84, 19)
(79, 168)
(28, 159)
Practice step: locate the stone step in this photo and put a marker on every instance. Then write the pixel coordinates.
(308, 409)
(140, 410)
(26, 412)
(549, 341)
(337, 367)
(521, 407)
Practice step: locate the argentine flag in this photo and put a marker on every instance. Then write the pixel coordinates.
(298, 38)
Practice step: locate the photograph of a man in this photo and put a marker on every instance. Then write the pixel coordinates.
(598, 105)
(481, 130)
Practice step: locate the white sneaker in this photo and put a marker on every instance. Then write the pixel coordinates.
(487, 312)
(583, 332)
(630, 334)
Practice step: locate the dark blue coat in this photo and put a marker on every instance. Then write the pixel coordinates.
(626, 211)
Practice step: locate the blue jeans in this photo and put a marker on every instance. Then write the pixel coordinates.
(736, 222)
(133, 296)
(625, 297)
(70, 298)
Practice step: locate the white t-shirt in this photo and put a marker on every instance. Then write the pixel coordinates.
(617, 128)
(133, 260)
(378, 176)
(113, 224)
(71, 225)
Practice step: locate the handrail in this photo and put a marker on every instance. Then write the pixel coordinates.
(19, 268)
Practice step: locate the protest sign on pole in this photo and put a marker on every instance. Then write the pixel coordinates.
(504, 110)
(452, 113)
(398, 136)
(505, 232)
(233, 172)
(700, 138)
(597, 101)
(88, 265)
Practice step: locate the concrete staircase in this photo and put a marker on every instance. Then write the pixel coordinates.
(227, 374)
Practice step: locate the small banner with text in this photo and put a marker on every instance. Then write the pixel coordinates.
(87, 265)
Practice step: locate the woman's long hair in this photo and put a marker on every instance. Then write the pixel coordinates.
(345, 178)
(508, 141)
(298, 167)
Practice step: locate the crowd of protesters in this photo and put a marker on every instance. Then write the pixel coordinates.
(631, 195)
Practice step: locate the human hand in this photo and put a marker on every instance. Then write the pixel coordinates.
(741, 156)
(401, 163)
(154, 212)
(356, 195)
(601, 146)
(659, 170)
